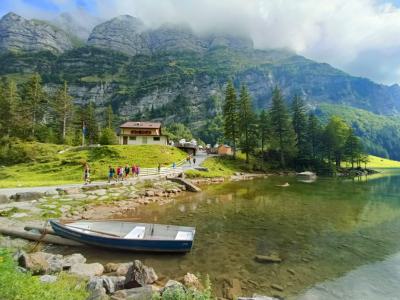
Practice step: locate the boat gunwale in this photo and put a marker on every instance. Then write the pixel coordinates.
(58, 223)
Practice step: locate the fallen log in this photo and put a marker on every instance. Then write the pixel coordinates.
(48, 238)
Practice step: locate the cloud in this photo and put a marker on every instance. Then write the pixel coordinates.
(358, 36)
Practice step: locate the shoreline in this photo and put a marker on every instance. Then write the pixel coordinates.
(103, 202)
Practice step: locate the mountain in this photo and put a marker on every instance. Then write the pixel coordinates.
(78, 25)
(172, 74)
(19, 34)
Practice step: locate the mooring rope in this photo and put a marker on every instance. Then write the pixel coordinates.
(44, 232)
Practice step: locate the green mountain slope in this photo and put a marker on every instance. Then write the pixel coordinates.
(380, 134)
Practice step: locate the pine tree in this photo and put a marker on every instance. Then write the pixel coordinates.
(63, 107)
(34, 102)
(109, 117)
(299, 122)
(314, 134)
(9, 101)
(263, 129)
(281, 127)
(90, 123)
(352, 148)
(230, 114)
(247, 123)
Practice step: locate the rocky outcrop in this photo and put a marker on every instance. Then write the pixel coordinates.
(231, 41)
(20, 34)
(125, 34)
(175, 38)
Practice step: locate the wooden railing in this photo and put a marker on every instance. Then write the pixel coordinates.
(163, 170)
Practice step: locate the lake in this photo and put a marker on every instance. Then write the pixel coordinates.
(329, 233)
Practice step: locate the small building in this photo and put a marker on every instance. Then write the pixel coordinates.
(224, 150)
(141, 133)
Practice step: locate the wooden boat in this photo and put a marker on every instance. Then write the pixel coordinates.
(127, 235)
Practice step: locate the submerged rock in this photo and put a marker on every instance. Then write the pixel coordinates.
(191, 281)
(272, 258)
(232, 289)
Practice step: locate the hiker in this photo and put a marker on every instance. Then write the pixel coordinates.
(134, 170)
(188, 160)
(159, 168)
(127, 169)
(86, 173)
(173, 165)
(121, 173)
(137, 170)
(111, 173)
(194, 160)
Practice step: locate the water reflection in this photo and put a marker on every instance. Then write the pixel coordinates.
(374, 281)
(321, 231)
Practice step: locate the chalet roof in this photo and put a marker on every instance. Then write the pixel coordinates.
(138, 124)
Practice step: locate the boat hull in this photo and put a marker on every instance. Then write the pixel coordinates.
(121, 243)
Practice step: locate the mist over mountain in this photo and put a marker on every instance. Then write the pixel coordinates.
(171, 72)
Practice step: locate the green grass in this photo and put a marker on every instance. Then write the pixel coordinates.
(48, 167)
(223, 166)
(378, 162)
(23, 286)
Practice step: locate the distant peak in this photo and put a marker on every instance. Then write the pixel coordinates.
(12, 16)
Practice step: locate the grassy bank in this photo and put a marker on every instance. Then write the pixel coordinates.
(225, 166)
(46, 165)
(379, 162)
(18, 285)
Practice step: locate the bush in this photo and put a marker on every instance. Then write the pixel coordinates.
(17, 285)
(108, 137)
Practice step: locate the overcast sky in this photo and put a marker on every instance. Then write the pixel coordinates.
(361, 37)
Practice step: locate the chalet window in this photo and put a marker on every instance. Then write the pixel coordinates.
(156, 138)
(132, 138)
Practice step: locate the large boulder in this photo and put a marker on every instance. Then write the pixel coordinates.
(4, 199)
(25, 196)
(34, 262)
(87, 270)
(73, 259)
(123, 269)
(139, 275)
(139, 293)
(113, 283)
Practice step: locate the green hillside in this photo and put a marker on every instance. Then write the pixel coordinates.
(380, 134)
(48, 166)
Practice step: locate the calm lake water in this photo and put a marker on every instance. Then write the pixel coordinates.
(339, 239)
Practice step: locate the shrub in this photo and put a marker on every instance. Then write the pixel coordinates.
(17, 285)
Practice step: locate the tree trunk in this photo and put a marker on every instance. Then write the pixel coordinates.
(64, 126)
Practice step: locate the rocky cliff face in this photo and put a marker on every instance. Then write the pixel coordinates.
(125, 34)
(19, 34)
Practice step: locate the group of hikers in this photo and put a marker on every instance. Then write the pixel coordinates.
(122, 173)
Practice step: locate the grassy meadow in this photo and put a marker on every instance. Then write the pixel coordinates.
(54, 164)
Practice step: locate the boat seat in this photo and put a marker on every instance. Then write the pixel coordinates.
(184, 236)
(136, 233)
